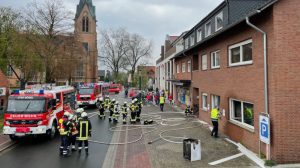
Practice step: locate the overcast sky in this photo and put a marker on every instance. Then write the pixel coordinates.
(153, 19)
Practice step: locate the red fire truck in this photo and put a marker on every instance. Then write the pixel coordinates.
(115, 88)
(37, 111)
(88, 94)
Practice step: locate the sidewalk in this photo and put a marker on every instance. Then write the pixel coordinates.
(161, 154)
(5, 142)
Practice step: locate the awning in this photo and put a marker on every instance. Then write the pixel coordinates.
(180, 82)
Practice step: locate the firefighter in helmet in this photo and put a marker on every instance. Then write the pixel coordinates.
(78, 114)
(133, 109)
(116, 112)
(73, 130)
(64, 126)
(139, 104)
(84, 128)
(111, 109)
(107, 102)
(124, 112)
(101, 108)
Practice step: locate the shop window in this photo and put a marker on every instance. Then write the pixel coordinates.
(204, 62)
(215, 59)
(204, 101)
(242, 112)
(240, 54)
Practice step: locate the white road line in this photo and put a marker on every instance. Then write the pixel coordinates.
(225, 159)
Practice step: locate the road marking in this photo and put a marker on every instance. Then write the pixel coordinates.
(225, 159)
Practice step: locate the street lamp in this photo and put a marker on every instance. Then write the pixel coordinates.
(140, 84)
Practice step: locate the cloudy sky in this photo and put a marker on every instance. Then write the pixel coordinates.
(153, 19)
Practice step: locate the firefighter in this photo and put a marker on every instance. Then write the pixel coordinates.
(73, 130)
(133, 112)
(101, 109)
(124, 112)
(139, 104)
(78, 114)
(64, 126)
(107, 102)
(116, 113)
(84, 128)
(188, 110)
(111, 109)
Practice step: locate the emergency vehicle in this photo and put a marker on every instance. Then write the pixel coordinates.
(115, 88)
(88, 94)
(37, 111)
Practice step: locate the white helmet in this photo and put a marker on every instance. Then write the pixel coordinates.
(79, 110)
(66, 113)
(125, 102)
(113, 100)
(117, 102)
(135, 99)
(101, 98)
(132, 101)
(70, 116)
(84, 114)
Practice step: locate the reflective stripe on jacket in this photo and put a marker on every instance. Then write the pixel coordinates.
(83, 130)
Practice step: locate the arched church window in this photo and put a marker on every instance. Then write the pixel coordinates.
(85, 24)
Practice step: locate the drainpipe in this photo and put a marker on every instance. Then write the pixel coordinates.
(265, 76)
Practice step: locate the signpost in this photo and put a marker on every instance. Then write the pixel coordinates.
(264, 129)
(264, 132)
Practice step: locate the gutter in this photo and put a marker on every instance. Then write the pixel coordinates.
(266, 84)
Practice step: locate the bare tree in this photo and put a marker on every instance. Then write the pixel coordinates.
(113, 49)
(138, 49)
(46, 22)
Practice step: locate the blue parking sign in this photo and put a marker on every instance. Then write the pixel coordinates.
(264, 129)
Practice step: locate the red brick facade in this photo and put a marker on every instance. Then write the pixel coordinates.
(246, 82)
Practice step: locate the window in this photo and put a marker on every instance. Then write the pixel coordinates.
(183, 67)
(215, 101)
(189, 66)
(186, 43)
(215, 59)
(207, 29)
(85, 24)
(86, 46)
(242, 112)
(199, 35)
(204, 101)
(192, 39)
(240, 54)
(177, 68)
(204, 62)
(219, 21)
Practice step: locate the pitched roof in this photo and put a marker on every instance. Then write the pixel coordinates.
(91, 7)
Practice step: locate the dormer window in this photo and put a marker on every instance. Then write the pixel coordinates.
(85, 24)
(192, 37)
(186, 43)
(208, 29)
(199, 35)
(219, 21)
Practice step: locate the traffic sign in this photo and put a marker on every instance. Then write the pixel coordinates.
(264, 129)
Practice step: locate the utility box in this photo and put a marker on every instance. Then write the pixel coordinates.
(192, 149)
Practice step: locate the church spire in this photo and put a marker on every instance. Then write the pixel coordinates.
(90, 6)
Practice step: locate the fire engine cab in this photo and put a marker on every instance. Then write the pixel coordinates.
(37, 111)
(88, 94)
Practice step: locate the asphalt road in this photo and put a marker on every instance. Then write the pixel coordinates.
(41, 153)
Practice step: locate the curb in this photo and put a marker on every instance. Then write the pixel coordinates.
(6, 145)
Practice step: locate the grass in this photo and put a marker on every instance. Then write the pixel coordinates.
(270, 163)
(1, 123)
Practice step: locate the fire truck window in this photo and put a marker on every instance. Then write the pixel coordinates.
(50, 104)
(58, 97)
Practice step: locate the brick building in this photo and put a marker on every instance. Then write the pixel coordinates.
(85, 31)
(4, 85)
(226, 55)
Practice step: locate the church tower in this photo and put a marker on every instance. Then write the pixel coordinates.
(85, 32)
